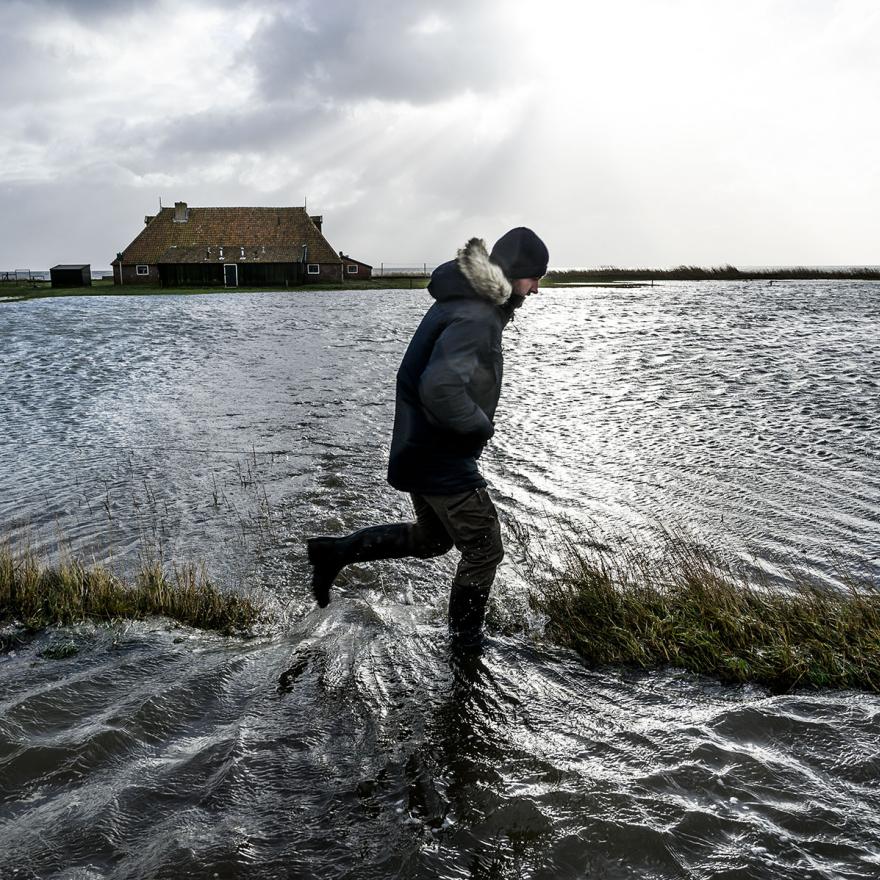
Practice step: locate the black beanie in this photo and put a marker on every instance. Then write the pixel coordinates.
(520, 254)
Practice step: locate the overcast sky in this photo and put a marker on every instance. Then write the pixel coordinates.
(633, 132)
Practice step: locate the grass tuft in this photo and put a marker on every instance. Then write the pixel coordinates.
(681, 607)
(39, 596)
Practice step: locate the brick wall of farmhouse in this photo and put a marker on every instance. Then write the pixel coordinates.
(131, 277)
(363, 271)
(328, 272)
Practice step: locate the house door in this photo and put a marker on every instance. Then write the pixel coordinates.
(230, 274)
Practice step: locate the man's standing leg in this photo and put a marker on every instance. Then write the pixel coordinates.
(472, 523)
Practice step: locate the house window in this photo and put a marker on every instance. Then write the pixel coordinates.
(313, 269)
(352, 269)
(143, 270)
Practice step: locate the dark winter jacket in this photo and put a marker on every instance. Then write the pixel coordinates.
(450, 378)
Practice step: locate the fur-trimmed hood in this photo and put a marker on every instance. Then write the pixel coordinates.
(482, 274)
(470, 273)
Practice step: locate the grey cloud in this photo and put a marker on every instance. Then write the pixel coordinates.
(351, 50)
(95, 9)
(65, 221)
(259, 129)
(19, 75)
(30, 73)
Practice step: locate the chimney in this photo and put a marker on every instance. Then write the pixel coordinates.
(318, 220)
(181, 212)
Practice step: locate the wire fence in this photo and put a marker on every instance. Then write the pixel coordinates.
(24, 276)
(420, 270)
(17, 276)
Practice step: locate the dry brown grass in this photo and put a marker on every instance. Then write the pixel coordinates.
(37, 596)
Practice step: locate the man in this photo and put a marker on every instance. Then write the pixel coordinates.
(447, 390)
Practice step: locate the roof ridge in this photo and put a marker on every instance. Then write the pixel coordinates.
(241, 208)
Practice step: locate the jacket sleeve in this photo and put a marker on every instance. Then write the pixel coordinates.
(461, 349)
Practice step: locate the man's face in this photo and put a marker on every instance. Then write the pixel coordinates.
(524, 287)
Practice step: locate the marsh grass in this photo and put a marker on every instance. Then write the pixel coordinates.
(711, 273)
(681, 607)
(37, 596)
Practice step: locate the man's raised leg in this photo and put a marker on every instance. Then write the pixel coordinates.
(424, 538)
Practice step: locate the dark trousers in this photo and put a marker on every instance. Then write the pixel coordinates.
(468, 521)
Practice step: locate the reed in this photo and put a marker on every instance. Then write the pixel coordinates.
(37, 596)
(681, 607)
(711, 273)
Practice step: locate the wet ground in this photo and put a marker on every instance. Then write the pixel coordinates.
(226, 428)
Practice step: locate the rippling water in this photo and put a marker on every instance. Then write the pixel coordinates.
(227, 427)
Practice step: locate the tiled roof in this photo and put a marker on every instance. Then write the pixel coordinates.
(346, 257)
(283, 231)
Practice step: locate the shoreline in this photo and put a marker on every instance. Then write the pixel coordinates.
(610, 277)
(41, 290)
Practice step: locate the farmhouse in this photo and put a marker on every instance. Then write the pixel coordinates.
(235, 247)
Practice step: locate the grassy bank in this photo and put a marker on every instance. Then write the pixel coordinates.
(10, 292)
(37, 596)
(680, 607)
(624, 606)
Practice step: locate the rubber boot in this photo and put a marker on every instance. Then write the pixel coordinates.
(467, 610)
(329, 556)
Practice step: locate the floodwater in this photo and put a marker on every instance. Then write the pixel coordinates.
(226, 428)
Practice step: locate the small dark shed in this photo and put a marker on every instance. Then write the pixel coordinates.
(79, 275)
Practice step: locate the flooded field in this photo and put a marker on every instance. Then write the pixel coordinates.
(227, 428)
